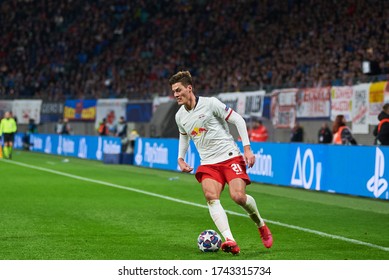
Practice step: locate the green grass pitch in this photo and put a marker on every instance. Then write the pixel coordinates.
(53, 209)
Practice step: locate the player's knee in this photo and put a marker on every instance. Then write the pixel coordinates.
(239, 198)
(210, 196)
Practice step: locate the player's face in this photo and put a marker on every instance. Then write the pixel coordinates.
(181, 93)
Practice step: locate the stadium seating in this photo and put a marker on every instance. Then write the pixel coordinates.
(61, 49)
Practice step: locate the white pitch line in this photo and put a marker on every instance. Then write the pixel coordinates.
(323, 234)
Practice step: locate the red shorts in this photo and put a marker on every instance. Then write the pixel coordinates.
(224, 172)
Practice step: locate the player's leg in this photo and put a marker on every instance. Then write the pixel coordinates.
(212, 190)
(247, 202)
(10, 146)
(213, 181)
(238, 194)
(5, 150)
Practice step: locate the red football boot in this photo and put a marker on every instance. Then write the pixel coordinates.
(266, 236)
(230, 246)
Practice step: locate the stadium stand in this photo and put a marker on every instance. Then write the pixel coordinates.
(54, 50)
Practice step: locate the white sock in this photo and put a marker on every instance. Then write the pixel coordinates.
(252, 211)
(220, 219)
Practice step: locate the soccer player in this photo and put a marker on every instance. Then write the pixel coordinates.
(8, 128)
(204, 120)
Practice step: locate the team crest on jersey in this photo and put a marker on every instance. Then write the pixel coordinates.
(227, 108)
(197, 131)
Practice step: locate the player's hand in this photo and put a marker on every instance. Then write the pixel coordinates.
(184, 166)
(249, 157)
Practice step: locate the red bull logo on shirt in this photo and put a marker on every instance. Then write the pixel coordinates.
(197, 131)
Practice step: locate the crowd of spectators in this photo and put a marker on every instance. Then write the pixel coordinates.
(58, 49)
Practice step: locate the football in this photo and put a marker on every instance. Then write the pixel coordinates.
(209, 241)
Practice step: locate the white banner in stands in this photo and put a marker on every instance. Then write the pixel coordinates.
(24, 110)
(360, 108)
(376, 100)
(248, 104)
(111, 110)
(341, 98)
(283, 108)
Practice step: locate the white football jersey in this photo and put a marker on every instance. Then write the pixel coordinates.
(207, 126)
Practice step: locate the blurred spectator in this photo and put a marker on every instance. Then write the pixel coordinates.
(382, 129)
(325, 134)
(32, 127)
(63, 127)
(341, 133)
(59, 126)
(259, 132)
(297, 134)
(133, 136)
(67, 129)
(121, 131)
(103, 128)
(121, 128)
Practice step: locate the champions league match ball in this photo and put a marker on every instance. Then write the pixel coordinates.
(209, 241)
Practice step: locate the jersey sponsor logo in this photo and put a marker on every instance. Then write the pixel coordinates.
(377, 184)
(197, 131)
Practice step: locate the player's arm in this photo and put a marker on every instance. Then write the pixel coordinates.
(240, 124)
(221, 110)
(183, 144)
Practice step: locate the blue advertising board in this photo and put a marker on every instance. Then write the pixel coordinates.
(87, 147)
(161, 153)
(351, 170)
